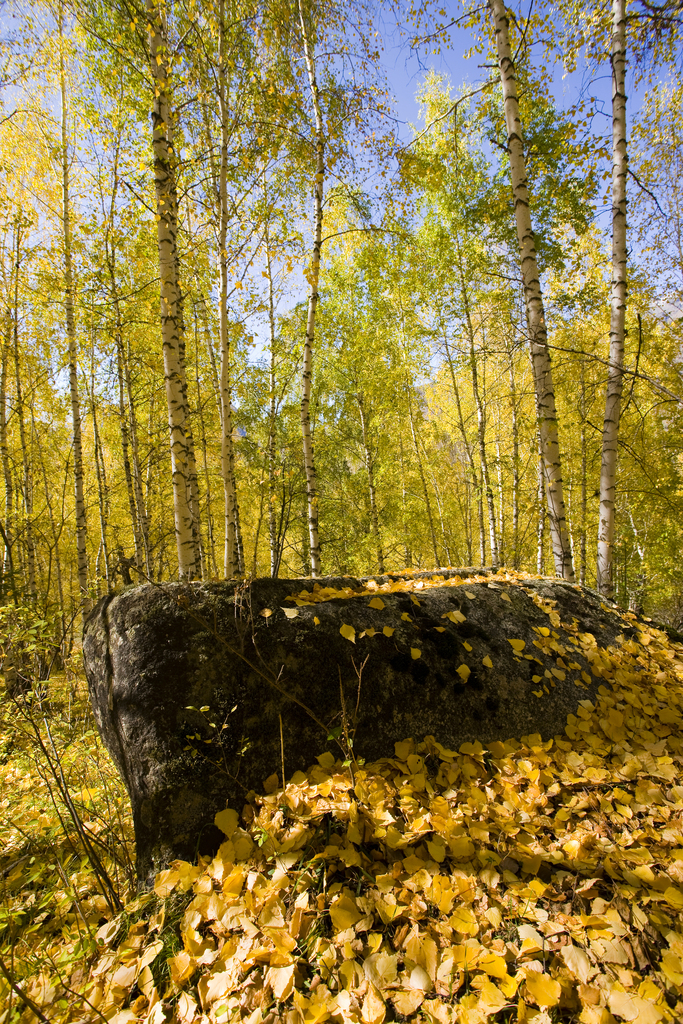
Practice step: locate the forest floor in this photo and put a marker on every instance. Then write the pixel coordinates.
(530, 881)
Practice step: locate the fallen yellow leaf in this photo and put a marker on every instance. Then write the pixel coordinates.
(348, 632)
(543, 989)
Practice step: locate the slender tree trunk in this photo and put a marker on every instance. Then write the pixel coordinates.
(470, 459)
(125, 451)
(102, 487)
(171, 312)
(313, 276)
(407, 552)
(69, 301)
(541, 492)
(230, 556)
(205, 462)
(272, 410)
(481, 412)
(617, 329)
(428, 504)
(4, 452)
(501, 503)
(442, 521)
(584, 493)
(533, 299)
(259, 521)
(56, 533)
(515, 468)
(143, 515)
(370, 469)
(192, 478)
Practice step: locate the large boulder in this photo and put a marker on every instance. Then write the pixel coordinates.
(202, 690)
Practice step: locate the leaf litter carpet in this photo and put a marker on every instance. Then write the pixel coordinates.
(530, 881)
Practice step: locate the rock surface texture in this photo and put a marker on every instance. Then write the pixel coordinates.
(201, 690)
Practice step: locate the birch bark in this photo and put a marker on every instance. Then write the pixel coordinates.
(533, 300)
(170, 298)
(69, 297)
(230, 556)
(313, 277)
(617, 329)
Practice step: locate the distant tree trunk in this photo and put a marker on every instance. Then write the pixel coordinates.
(205, 463)
(501, 503)
(515, 468)
(102, 486)
(272, 412)
(470, 459)
(617, 329)
(313, 276)
(125, 451)
(171, 312)
(425, 492)
(481, 411)
(407, 552)
(143, 515)
(540, 536)
(4, 451)
(79, 475)
(56, 533)
(584, 494)
(370, 469)
(192, 478)
(533, 299)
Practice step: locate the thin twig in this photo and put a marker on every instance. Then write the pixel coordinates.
(33, 1007)
(282, 751)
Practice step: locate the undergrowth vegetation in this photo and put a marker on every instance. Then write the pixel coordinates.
(529, 881)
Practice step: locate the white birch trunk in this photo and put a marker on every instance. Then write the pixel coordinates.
(533, 300)
(230, 556)
(617, 328)
(171, 313)
(79, 482)
(313, 277)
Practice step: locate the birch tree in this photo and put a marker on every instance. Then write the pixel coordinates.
(535, 312)
(313, 276)
(617, 330)
(69, 302)
(171, 318)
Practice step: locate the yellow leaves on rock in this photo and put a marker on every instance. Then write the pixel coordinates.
(266, 612)
(348, 632)
(454, 616)
(415, 653)
(505, 597)
(487, 662)
(376, 602)
(406, 618)
(388, 630)
(291, 613)
(517, 645)
(464, 672)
